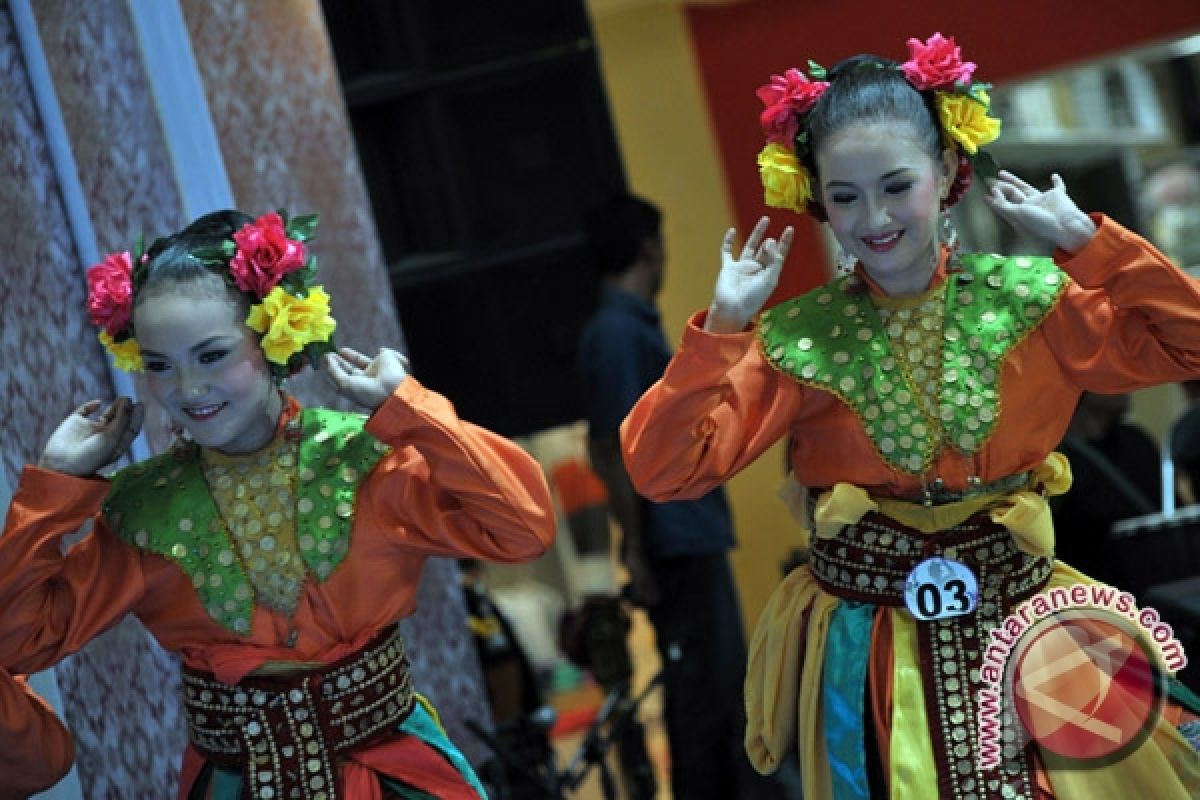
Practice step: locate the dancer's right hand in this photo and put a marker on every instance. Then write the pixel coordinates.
(746, 282)
(86, 440)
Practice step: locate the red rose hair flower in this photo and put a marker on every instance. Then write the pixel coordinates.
(785, 97)
(936, 64)
(264, 255)
(110, 293)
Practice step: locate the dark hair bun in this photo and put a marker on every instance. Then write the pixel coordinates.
(218, 224)
(854, 64)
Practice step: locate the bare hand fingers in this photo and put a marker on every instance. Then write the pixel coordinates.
(106, 416)
(354, 357)
(130, 432)
(88, 408)
(1016, 181)
(1057, 180)
(389, 354)
(336, 368)
(114, 416)
(1010, 193)
(765, 252)
(755, 238)
(785, 242)
(727, 242)
(996, 200)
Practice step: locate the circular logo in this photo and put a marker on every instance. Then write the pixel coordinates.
(1086, 686)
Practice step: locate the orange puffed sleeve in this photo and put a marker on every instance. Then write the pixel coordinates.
(36, 750)
(1130, 318)
(450, 488)
(52, 604)
(718, 406)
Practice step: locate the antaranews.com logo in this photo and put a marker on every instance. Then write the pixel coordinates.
(1083, 666)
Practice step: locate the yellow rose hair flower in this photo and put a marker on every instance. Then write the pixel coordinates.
(289, 323)
(786, 182)
(965, 120)
(126, 355)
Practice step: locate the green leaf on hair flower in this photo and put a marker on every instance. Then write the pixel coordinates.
(137, 264)
(985, 166)
(979, 93)
(303, 227)
(301, 278)
(816, 71)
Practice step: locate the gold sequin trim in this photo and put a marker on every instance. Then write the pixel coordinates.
(256, 495)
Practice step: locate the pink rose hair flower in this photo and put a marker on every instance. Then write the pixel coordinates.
(264, 255)
(110, 293)
(936, 64)
(784, 99)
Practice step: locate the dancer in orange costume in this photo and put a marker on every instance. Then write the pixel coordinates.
(922, 394)
(274, 548)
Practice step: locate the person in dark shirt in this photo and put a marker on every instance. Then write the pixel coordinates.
(676, 553)
(1117, 474)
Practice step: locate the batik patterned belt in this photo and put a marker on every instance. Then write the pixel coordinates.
(870, 562)
(285, 734)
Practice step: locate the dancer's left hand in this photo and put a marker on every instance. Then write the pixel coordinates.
(366, 381)
(1050, 215)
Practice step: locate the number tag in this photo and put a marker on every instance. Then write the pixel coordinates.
(939, 588)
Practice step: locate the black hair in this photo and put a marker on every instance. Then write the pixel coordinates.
(173, 259)
(617, 229)
(867, 88)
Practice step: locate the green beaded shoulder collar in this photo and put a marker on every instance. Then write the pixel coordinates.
(833, 339)
(163, 506)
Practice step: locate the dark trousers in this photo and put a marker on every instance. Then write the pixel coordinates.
(698, 629)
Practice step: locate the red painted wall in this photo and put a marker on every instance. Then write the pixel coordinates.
(740, 45)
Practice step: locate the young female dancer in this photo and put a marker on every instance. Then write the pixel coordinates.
(274, 548)
(922, 396)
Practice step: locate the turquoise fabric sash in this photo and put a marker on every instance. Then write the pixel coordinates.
(847, 651)
(421, 724)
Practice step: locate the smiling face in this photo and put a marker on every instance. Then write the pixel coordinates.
(882, 192)
(205, 367)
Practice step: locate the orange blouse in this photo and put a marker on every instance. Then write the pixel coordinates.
(35, 749)
(447, 488)
(1128, 319)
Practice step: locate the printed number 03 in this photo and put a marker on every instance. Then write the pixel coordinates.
(939, 588)
(930, 598)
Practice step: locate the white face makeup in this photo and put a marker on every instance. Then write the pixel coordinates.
(205, 367)
(882, 192)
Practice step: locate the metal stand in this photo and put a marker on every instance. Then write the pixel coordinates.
(614, 723)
